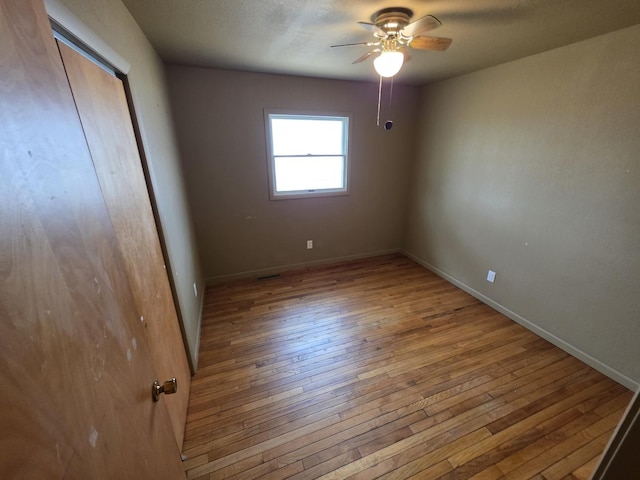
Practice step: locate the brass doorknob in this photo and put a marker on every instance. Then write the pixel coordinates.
(168, 387)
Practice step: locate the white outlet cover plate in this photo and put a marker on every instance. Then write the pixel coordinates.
(491, 276)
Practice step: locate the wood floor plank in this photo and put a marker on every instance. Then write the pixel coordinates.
(515, 444)
(377, 368)
(584, 471)
(559, 451)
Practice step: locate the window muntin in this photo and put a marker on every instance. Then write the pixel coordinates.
(308, 154)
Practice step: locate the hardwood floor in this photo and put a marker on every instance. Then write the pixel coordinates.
(380, 369)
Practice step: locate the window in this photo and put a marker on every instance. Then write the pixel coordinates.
(308, 154)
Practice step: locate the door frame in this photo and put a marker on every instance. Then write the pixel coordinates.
(82, 38)
(72, 27)
(620, 455)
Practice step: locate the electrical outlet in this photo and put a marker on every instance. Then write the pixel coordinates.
(309, 244)
(491, 276)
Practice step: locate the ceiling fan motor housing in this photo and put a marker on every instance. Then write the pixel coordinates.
(392, 20)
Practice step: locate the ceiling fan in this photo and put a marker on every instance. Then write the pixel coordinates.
(394, 33)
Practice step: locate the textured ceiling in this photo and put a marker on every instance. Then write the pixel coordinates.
(294, 36)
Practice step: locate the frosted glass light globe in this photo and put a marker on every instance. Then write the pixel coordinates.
(387, 64)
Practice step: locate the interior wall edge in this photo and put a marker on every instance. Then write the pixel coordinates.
(531, 326)
(221, 279)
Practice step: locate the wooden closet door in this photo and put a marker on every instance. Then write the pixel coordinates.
(75, 369)
(104, 114)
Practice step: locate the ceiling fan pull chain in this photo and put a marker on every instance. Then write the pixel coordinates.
(390, 97)
(379, 98)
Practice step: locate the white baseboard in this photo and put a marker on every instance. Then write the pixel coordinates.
(263, 272)
(558, 342)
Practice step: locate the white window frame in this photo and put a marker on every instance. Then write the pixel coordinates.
(311, 115)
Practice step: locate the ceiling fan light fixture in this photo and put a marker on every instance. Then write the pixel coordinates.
(388, 63)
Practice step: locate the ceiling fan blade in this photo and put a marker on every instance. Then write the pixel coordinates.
(359, 44)
(420, 26)
(430, 43)
(366, 56)
(373, 28)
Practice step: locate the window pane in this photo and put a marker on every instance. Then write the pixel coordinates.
(309, 173)
(293, 136)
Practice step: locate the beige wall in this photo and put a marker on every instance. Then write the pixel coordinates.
(112, 22)
(532, 169)
(220, 125)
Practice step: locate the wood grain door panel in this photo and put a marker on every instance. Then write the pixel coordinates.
(75, 368)
(104, 114)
